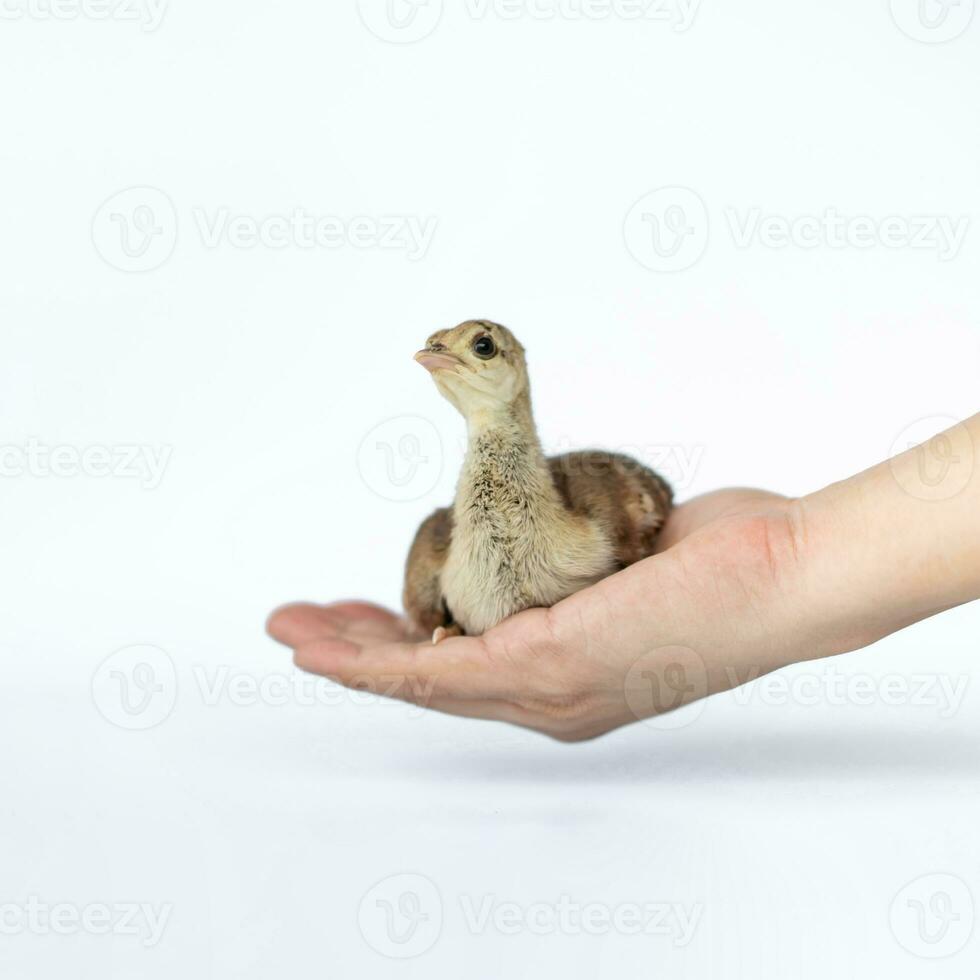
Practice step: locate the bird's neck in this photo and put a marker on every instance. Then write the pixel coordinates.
(505, 467)
(511, 423)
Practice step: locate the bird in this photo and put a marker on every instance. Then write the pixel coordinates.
(524, 530)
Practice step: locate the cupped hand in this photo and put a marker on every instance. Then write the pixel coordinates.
(719, 605)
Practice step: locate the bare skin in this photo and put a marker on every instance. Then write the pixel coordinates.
(745, 582)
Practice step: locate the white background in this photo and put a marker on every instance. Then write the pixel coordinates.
(261, 371)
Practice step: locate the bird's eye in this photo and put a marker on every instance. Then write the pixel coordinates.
(484, 347)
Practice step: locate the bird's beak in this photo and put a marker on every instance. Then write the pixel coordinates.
(434, 361)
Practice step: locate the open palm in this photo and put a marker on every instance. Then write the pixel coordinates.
(701, 615)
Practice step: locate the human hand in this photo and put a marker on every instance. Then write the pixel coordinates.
(716, 607)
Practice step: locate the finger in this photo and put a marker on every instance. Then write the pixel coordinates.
(457, 668)
(304, 622)
(297, 622)
(355, 609)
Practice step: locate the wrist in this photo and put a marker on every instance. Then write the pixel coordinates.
(839, 575)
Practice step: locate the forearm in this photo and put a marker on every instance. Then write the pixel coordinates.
(899, 542)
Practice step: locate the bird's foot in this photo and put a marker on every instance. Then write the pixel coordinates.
(444, 632)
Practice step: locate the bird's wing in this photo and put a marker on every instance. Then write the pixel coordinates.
(422, 596)
(630, 501)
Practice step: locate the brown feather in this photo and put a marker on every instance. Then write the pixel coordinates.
(631, 501)
(422, 596)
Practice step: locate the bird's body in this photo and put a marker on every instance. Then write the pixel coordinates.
(523, 530)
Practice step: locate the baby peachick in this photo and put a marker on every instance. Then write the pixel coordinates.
(524, 530)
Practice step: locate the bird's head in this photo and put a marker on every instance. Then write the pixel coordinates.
(479, 366)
